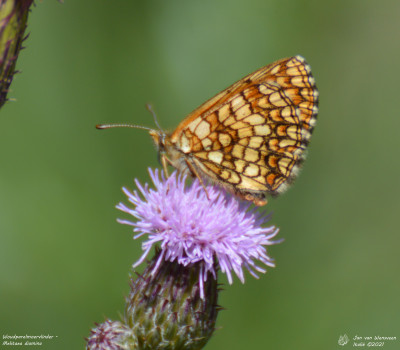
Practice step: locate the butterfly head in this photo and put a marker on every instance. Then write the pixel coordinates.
(168, 154)
(159, 139)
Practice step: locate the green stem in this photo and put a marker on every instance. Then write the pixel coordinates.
(13, 19)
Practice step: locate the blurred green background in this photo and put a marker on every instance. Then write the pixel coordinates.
(64, 261)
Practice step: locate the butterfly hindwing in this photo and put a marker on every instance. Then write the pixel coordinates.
(251, 137)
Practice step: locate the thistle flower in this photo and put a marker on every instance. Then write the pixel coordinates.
(217, 232)
(173, 304)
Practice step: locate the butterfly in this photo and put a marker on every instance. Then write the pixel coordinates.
(250, 138)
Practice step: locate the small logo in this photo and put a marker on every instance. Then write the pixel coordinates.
(343, 339)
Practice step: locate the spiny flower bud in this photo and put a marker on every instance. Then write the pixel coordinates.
(165, 310)
(111, 335)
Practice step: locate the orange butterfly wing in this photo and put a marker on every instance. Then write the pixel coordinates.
(251, 137)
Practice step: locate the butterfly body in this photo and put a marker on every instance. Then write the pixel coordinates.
(250, 138)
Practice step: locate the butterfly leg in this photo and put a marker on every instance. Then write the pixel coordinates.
(196, 174)
(164, 162)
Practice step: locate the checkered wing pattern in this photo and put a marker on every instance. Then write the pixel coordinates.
(252, 137)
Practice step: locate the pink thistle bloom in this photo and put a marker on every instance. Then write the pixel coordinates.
(219, 231)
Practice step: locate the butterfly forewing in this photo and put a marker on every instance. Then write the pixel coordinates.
(252, 136)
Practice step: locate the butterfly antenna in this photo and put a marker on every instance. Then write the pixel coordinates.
(108, 126)
(150, 109)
